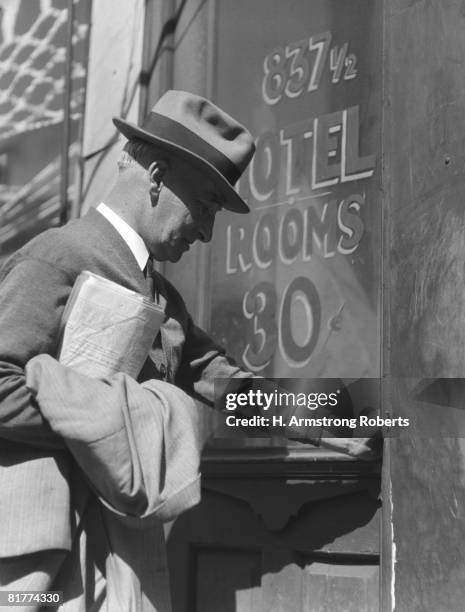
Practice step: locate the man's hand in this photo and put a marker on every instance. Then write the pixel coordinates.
(366, 449)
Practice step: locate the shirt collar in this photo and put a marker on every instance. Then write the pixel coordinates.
(127, 233)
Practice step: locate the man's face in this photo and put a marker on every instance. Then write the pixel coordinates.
(185, 212)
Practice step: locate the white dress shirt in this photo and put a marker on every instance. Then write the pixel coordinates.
(129, 235)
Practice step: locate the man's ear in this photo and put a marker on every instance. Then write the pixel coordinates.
(156, 172)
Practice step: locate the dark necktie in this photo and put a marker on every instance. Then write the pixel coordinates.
(148, 273)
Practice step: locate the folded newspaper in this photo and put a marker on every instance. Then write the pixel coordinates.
(107, 328)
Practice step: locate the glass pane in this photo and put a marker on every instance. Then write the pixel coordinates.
(34, 62)
(295, 284)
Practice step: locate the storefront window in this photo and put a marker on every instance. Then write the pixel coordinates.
(294, 285)
(42, 85)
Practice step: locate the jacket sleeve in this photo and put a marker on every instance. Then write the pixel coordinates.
(210, 375)
(33, 294)
(206, 364)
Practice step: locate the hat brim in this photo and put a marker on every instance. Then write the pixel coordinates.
(232, 200)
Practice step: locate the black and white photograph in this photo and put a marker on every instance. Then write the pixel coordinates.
(232, 305)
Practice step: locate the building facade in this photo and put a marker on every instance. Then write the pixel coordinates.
(329, 276)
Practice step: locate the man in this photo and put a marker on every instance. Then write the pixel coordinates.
(164, 199)
(176, 171)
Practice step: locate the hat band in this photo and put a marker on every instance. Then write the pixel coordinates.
(173, 131)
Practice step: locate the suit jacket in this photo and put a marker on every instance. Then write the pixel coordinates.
(34, 286)
(138, 446)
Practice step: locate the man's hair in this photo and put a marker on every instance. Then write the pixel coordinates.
(138, 152)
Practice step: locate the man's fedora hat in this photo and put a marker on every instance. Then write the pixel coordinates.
(195, 129)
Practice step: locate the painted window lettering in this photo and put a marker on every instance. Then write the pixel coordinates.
(334, 227)
(299, 66)
(318, 152)
(305, 189)
(265, 334)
